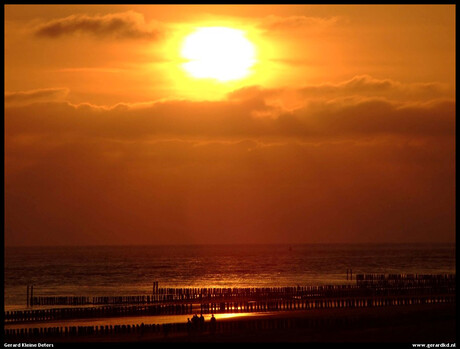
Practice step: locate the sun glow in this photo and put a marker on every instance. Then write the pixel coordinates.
(219, 53)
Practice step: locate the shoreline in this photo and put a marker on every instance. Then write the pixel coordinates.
(131, 320)
(419, 323)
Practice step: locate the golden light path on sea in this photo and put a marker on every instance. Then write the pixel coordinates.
(134, 320)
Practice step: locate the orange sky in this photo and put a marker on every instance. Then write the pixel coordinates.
(344, 131)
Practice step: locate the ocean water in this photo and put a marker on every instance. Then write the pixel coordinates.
(131, 270)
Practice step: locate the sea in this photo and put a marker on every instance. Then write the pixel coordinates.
(131, 270)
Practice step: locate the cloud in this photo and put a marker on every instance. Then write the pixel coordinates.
(126, 25)
(374, 117)
(237, 117)
(274, 23)
(365, 169)
(357, 108)
(86, 190)
(89, 69)
(253, 91)
(365, 85)
(45, 94)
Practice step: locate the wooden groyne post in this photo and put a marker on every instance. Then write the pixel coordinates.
(155, 291)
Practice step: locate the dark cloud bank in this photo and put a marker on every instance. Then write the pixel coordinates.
(334, 170)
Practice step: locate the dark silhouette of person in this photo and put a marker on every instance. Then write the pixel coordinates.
(195, 322)
(201, 322)
(189, 326)
(213, 324)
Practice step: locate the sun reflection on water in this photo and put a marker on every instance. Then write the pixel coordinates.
(234, 315)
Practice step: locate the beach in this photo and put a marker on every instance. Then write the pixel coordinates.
(421, 323)
(408, 307)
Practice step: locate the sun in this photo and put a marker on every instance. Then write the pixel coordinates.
(219, 53)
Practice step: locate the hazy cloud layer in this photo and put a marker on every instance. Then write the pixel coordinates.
(273, 23)
(365, 85)
(105, 191)
(237, 118)
(26, 97)
(126, 25)
(359, 170)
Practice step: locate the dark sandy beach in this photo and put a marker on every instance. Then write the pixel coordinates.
(428, 323)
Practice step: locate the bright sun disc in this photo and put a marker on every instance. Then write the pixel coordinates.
(218, 53)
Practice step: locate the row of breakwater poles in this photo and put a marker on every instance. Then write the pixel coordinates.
(200, 295)
(286, 305)
(172, 329)
(206, 307)
(396, 284)
(225, 326)
(83, 300)
(171, 297)
(166, 330)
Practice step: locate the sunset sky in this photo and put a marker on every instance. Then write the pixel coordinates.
(308, 124)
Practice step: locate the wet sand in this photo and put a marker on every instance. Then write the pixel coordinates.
(428, 323)
(403, 324)
(130, 320)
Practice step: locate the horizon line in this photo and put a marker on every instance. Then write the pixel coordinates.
(237, 244)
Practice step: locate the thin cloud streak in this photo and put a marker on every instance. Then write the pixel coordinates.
(30, 96)
(272, 22)
(126, 25)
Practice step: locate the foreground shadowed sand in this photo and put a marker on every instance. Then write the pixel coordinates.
(430, 323)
